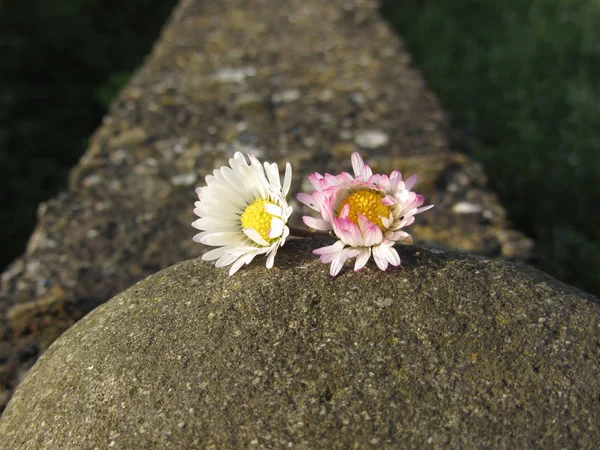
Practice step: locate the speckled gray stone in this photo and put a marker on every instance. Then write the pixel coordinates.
(447, 351)
(300, 81)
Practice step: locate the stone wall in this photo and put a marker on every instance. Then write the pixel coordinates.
(446, 351)
(303, 81)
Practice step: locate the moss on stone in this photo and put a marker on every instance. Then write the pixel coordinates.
(447, 350)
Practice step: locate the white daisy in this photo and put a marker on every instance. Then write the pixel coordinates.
(243, 211)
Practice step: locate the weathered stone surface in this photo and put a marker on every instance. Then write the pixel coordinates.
(304, 81)
(446, 351)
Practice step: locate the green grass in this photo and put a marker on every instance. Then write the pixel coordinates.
(521, 82)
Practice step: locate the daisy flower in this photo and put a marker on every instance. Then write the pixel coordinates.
(243, 212)
(365, 212)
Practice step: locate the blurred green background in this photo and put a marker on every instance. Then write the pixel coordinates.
(61, 63)
(520, 80)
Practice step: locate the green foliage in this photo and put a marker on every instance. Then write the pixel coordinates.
(62, 61)
(520, 80)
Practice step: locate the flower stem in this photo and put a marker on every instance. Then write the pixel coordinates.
(299, 232)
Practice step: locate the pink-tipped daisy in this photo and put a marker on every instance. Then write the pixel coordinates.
(243, 211)
(366, 213)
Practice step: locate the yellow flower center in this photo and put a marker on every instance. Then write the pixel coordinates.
(255, 216)
(368, 203)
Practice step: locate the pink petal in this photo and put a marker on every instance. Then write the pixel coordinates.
(338, 263)
(371, 233)
(388, 200)
(315, 178)
(410, 182)
(366, 172)
(384, 255)
(347, 231)
(328, 253)
(401, 236)
(384, 183)
(308, 200)
(345, 211)
(375, 179)
(357, 164)
(317, 224)
(344, 177)
(396, 180)
(424, 208)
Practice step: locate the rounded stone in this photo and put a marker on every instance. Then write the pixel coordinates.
(447, 350)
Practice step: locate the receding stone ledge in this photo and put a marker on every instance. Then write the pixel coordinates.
(304, 81)
(448, 350)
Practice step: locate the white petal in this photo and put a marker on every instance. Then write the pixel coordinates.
(214, 254)
(226, 195)
(393, 256)
(240, 262)
(255, 163)
(362, 258)
(217, 207)
(254, 182)
(271, 258)
(274, 210)
(286, 233)
(238, 183)
(272, 172)
(337, 264)
(287, 180)
(254, 236)
(214, 224)
(228, 258)
(387, 221)
(220, 238)
(276, 229)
